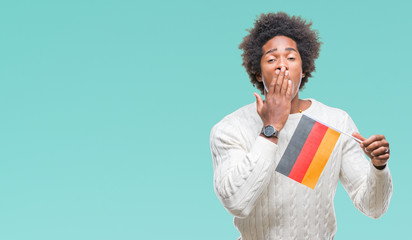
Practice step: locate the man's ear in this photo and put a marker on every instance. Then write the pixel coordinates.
(259, 77)
(303, 75)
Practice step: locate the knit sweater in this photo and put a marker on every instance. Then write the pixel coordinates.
(268, 205)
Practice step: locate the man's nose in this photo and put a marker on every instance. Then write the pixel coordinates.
(281, 63)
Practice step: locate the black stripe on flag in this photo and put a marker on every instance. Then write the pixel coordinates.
(295, 145)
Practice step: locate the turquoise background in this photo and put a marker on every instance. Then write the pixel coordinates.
(106, 109)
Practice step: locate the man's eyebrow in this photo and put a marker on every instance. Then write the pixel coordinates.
(271, 50)
(286, 49)
(290, 49)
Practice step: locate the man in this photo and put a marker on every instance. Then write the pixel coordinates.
(247, 145)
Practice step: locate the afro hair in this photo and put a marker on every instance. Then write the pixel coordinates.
(266, 27)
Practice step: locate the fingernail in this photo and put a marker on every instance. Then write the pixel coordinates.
(277, 71)
(287, 73)
(283, 69)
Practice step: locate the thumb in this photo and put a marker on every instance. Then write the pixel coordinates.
(259, 101)
(357, 135)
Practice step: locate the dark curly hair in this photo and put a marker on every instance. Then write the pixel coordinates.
(266, 27)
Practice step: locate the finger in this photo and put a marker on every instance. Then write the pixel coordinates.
(367, 153)
(280, 81)
(358, 136)
(285, 83)
(289, 90)
(376, 145)
(259, 102)
(384, 157)
(273, 83)
(371, 139)
(379, 151)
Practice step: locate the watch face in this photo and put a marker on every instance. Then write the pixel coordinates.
(268, 131)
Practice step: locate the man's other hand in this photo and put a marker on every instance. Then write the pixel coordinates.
(376, 148)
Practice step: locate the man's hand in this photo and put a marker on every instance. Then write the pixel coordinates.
(276, 107)
(377, 149)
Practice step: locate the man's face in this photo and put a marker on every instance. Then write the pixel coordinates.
(279, 52)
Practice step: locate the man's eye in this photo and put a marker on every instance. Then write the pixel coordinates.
(271, 60)
(291, 58)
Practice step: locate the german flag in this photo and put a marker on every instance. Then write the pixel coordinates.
(308, 151)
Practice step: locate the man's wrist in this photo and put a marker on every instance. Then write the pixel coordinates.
(379, 167)
(272, 139)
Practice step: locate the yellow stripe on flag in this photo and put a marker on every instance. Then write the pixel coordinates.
(321, 158)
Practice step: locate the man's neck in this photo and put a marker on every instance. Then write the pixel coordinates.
(294, 108)
(299, 105)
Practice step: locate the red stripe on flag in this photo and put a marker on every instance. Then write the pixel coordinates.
(308, 152)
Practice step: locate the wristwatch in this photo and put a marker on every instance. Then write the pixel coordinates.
(270, 131)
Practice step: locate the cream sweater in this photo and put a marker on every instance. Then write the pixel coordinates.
(268, 205)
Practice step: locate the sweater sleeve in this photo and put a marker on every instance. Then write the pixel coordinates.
(241, 172)
(370, 189)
